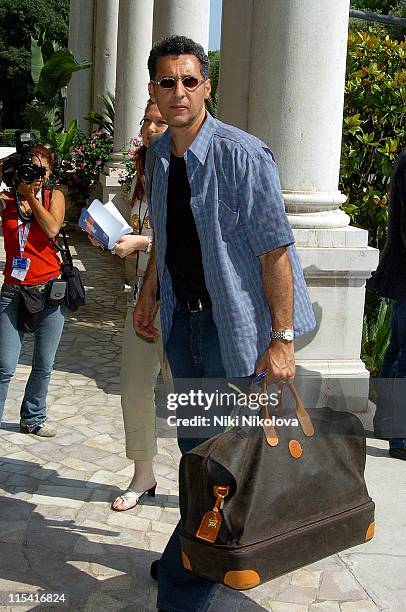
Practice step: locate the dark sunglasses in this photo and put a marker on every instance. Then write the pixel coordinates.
(189, 82)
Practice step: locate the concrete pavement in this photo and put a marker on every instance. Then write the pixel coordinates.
(58, 534)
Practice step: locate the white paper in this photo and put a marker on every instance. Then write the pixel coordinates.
(111, 221)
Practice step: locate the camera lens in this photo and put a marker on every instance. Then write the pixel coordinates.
(27, 173)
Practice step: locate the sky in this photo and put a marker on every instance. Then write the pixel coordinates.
(215, 25)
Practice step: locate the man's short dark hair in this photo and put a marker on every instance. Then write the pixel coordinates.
(177, 45)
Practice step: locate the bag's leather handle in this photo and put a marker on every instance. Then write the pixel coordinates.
(269, 430)
(301, 412)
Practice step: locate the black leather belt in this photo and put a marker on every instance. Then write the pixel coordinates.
(195, 305)
(39, 287)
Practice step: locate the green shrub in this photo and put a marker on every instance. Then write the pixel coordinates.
(375, 6)
(51, 71)
(211, 103)
(80, 170)
(19, 19)
(374, 133)
(376, 335)
(374, 130)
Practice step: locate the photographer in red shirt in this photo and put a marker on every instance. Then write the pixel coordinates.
(32, 216)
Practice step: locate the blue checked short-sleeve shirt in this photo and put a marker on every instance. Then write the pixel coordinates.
(238, 209)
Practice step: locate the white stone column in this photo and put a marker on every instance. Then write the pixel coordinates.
(297, 76)
(80, 43)
(183, 18)
(133, 47)
(233, 88)
(105, 49)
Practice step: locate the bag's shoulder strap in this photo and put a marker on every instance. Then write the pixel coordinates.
(6, 196)
(46, 198)
(63, 250)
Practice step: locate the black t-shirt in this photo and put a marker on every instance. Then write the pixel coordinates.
(183, 252)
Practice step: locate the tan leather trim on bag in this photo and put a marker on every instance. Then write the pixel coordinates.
(295, 449)
(211, 521)
(269, 430)
(186, 562)
(242, 579)
(301, 412)
(370, 532)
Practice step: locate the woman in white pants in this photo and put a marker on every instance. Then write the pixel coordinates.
(141, 359)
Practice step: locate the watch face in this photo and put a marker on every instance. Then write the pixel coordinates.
(289, 334)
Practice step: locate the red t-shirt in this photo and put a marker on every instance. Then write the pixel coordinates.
(45, 263)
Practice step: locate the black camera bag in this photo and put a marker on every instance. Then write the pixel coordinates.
(75, 294)
(30, 308)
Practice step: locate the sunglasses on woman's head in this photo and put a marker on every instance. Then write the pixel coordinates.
(189, 82)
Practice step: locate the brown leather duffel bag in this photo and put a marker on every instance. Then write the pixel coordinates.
(258, 503)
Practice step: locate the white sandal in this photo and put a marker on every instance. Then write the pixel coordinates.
(130, 494)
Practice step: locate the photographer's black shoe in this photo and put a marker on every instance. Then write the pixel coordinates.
(154, 569)
(398, 453)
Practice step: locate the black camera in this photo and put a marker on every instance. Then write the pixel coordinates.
(18, 167)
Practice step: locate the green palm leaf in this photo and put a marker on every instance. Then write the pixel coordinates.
(105, 119)
(376, 336)
(57, 72)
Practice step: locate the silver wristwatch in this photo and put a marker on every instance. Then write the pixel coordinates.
(285, 334)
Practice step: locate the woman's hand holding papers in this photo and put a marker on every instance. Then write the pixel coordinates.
(130, 244)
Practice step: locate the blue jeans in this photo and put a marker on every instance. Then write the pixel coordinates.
(193, 352)
(390, 417)
(46, 341)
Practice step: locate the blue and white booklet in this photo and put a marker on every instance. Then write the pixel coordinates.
(104, 222)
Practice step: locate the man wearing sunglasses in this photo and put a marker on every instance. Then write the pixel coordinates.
(229, 274)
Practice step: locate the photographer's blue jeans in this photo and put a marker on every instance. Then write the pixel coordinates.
(46, 341)
(193, 352)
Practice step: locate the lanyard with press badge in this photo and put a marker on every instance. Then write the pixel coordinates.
(21, 264)
(23, 231)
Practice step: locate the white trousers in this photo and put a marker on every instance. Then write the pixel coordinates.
(141, 363)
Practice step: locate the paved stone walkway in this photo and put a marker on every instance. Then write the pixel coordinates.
(58, 534)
